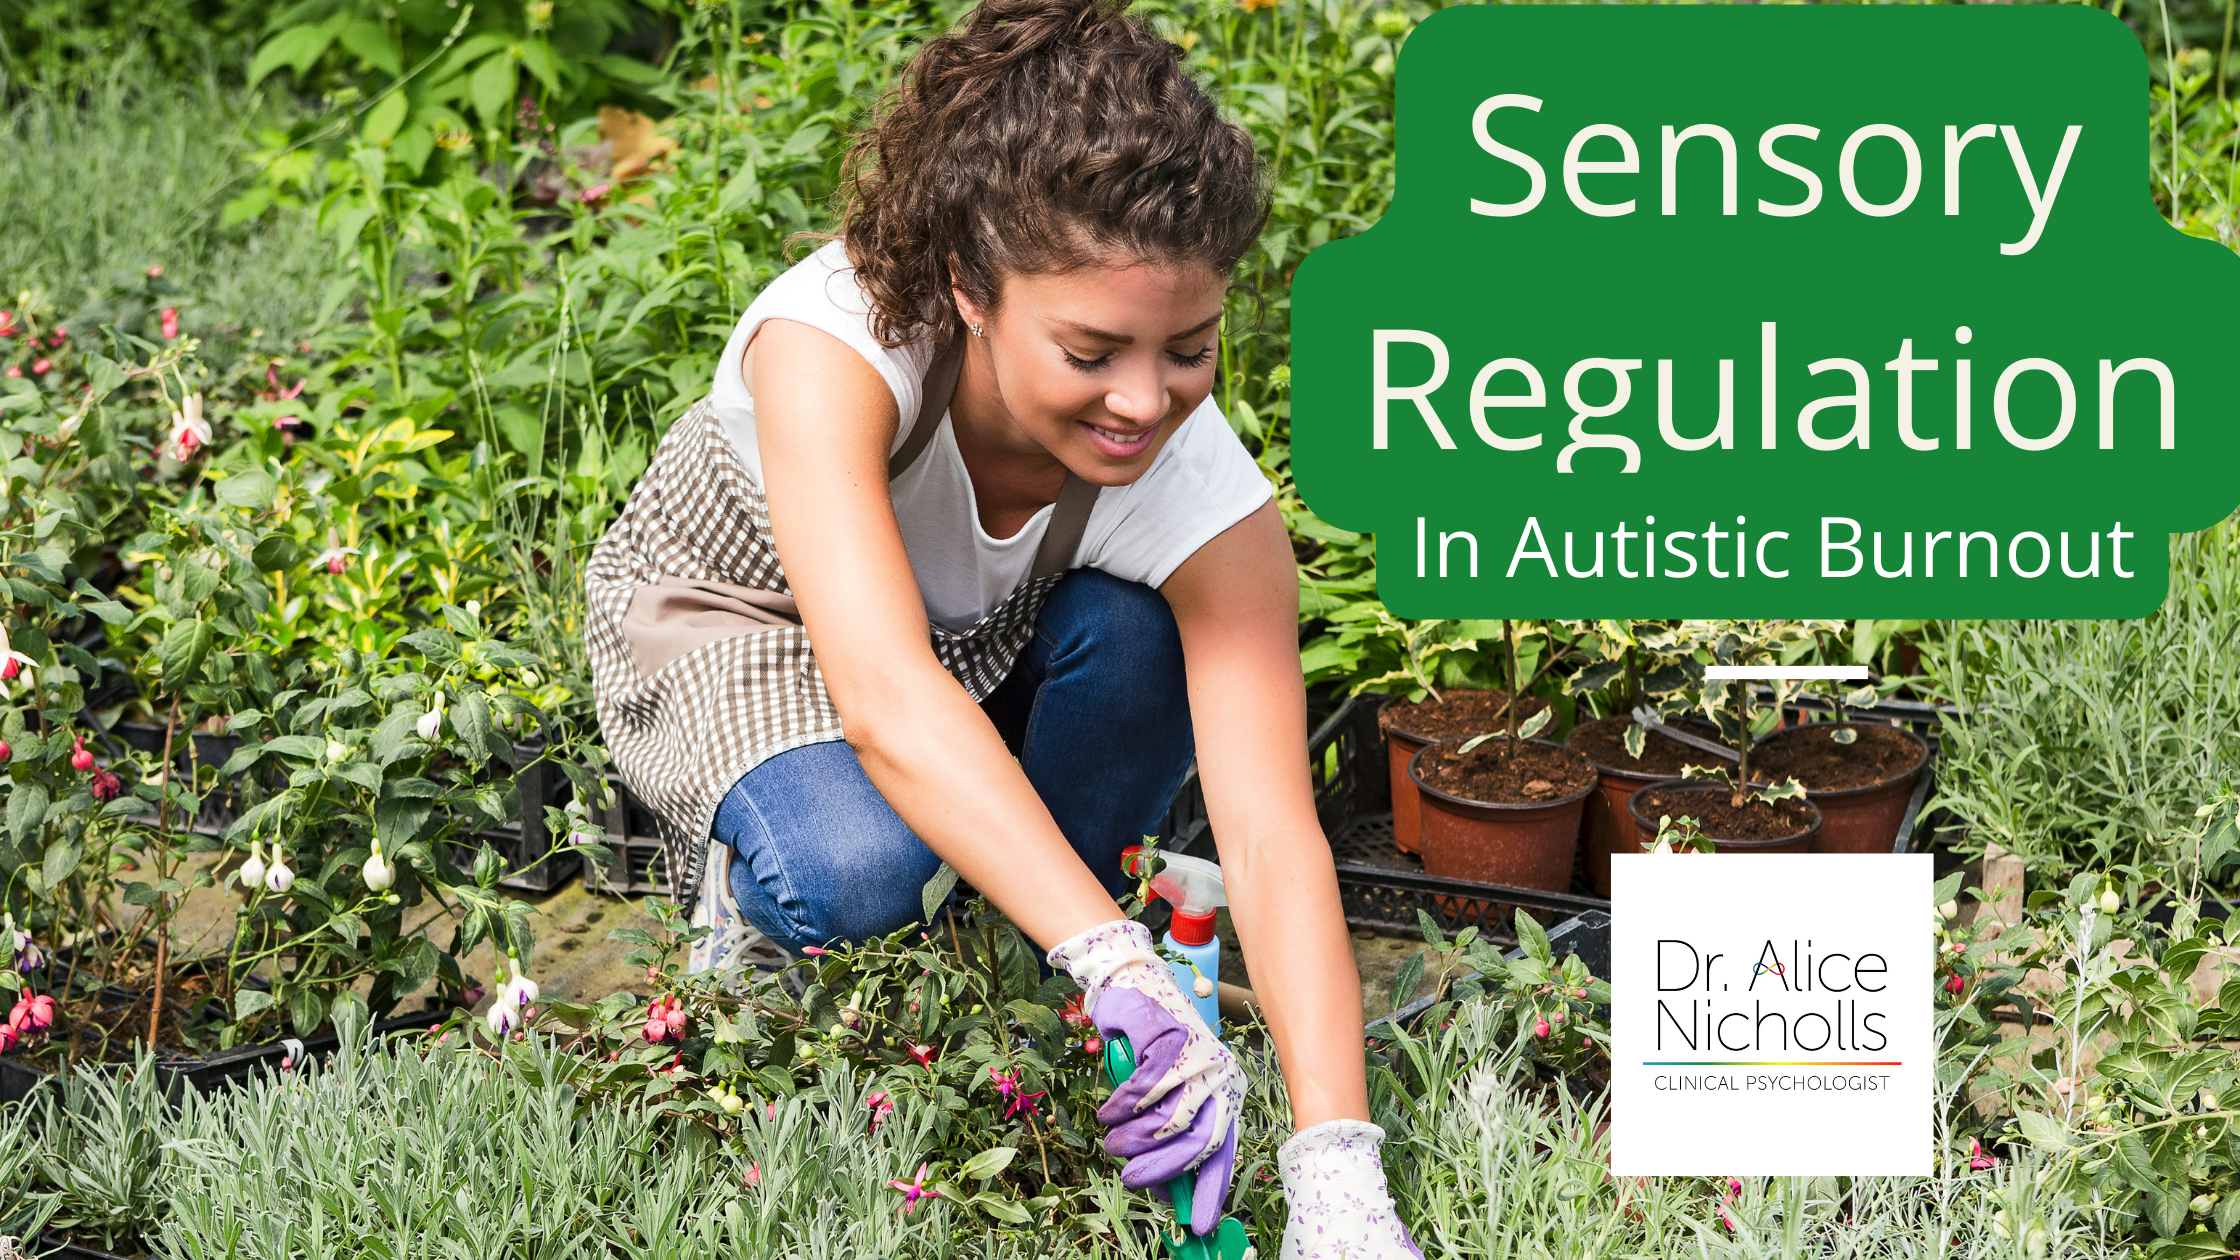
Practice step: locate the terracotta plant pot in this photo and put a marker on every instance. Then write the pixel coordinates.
(1605, 826)
(1862, 819)
(1531, 845)
(1645, 825)
(1401, 745)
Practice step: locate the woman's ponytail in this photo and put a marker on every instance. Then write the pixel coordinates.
(1040, 136)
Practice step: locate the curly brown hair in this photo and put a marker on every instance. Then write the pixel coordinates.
(1040, 136)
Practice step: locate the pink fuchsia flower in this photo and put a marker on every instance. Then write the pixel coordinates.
(1093, 1047)
(1540, 1028)
(9, 1038)
(105, 787)
(754, 1175)
(1954, 984)
(8, 324)
(275, 393)
(40, 367)
(924, 1055)
(1023, 1102)
(336, 557)
(881, 1107)
(60, 335)
(81, 757)
(597, 191)
(14, 371)
(1072, 1013)
(155, 272)
(1979, 1158)
(815, 951)
(32, 1014)
(915, 1190)
(170, 323)
(189, 431)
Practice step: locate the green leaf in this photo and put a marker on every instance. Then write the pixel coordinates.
(380, 123)
(247, 1002)
(2198, 1245)
(182, 651)
(1534, 939)
(253, 490)
(371, 42)
(470, 717)
(491, 89)
(1404, 984)
(104, 375)
(1432, 936)
(1535, 724)
(27, 808)
(306, 1010)
(989, 1162)
(2044, 1131)
(1637, 741)
(62, 857)
(936, 890)
(1001, 1209)
(296, 47)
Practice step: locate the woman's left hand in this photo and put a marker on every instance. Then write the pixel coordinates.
(1333, 1177)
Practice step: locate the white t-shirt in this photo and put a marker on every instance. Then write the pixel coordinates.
(1199, 484)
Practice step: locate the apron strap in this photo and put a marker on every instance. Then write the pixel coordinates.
(940, 385)
(1069, 521)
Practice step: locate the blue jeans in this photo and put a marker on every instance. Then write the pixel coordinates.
(1095, 710)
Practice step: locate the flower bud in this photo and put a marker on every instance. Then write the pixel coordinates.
(337, 751)
(252, 871)
(378, 873)
(1949, 911)
(2110, 900)
(1540, 1028)
(81, 759)
(1202, 987)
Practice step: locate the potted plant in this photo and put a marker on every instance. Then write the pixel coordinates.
(1860, 775)
(1730, 801)
(1506, 812)
(1640, 662)
(1380, 651)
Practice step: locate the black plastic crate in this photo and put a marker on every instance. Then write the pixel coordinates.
(634, 837)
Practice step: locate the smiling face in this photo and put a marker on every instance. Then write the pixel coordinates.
(1096, 367)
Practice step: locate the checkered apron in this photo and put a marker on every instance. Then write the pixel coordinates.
(693, 546)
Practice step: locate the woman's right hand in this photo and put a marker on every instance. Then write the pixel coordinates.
(1178, 1112)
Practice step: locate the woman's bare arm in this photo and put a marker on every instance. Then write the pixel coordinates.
(826, 421)
(1237, 602)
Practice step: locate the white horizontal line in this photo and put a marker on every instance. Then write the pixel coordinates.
(1772, 673)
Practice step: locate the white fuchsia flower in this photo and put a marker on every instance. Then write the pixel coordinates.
(189, 431)
(379, 874)
(503, 1016)
(252, 871)
(430, 724)
(278, 877)
(336, 557)
(520, 990)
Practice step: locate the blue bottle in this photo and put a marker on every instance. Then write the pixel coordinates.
(1193, 887)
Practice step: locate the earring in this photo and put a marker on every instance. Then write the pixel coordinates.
(975, 329)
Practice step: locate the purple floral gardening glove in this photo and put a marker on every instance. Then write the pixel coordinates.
(1179, 1111)
(1333, 1177)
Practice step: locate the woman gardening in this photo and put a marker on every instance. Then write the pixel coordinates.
(958, 561)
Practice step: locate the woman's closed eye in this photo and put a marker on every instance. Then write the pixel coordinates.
(1104, 360)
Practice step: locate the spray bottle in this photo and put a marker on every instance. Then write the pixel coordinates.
(1193, 887)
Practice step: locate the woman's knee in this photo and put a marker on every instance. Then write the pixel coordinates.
(1116, 624)
(825, 852)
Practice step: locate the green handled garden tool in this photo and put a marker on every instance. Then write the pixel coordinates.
(1226, 1241)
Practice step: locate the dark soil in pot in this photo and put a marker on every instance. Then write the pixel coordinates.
(1862, 788)
(1786, 826)
(1497, 817)
(1605, 826)
(1408, 725)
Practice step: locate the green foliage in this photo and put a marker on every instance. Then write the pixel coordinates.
(2084, 743)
